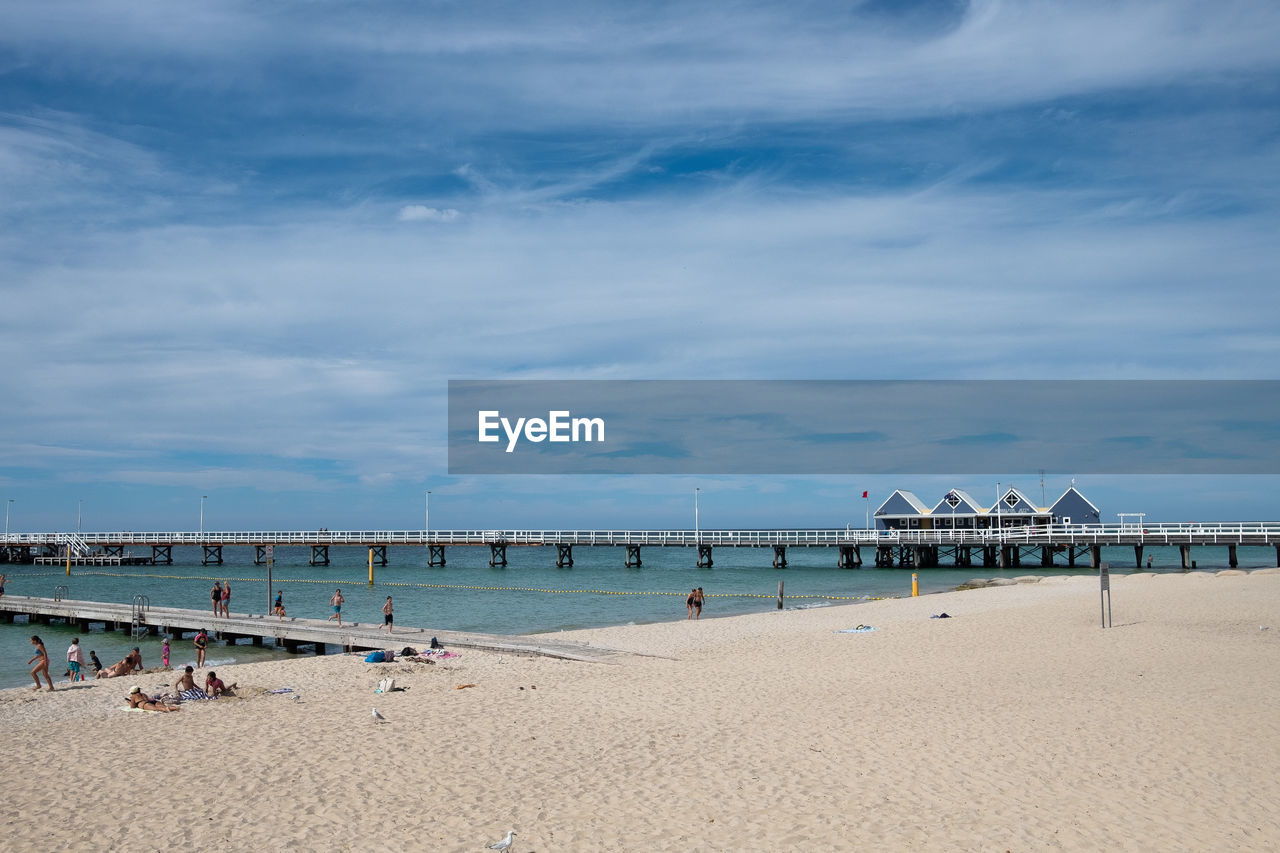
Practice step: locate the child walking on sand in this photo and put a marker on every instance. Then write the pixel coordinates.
(75, 660)
(164, 652)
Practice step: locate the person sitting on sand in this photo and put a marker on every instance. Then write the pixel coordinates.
(138, 699)
(214, 687)
(131, 663)
(186, 686)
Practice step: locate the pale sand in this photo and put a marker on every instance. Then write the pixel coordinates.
(1017, 725)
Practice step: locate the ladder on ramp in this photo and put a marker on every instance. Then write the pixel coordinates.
(141, 604)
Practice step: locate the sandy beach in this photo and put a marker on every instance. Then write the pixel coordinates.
(1018, 724)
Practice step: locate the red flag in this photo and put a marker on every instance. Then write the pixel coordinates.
(864, 494)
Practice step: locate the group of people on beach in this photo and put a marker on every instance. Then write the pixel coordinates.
(694, 603)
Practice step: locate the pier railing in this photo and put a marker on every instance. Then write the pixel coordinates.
(1255, 532)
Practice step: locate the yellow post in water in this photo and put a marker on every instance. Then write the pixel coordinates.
(68, 560)
(371, 566)
(915, 585)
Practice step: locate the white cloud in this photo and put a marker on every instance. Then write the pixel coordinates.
(420, 212)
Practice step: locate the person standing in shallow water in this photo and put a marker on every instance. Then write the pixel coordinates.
(41, 661)
(387, 618)
(688, 602)
(201, 643)
(697, 603)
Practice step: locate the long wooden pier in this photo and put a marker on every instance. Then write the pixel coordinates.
(141, 619)
(994, 547)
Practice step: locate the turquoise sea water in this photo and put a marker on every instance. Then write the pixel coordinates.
(530, 595)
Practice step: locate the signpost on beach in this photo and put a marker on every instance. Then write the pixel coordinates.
(1104, 594)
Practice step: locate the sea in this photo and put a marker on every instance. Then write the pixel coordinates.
(530, 595)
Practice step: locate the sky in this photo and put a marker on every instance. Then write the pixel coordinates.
(244, 247)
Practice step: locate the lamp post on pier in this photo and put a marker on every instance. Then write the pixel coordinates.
(79, 514)
(426, 519)
(203, 498)
(697, 535)
(7, 507)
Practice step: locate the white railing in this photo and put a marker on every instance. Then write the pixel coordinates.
(1258, 532)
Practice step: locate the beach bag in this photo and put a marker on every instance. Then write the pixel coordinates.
(374, 657)
(386, 685)
(408, 652)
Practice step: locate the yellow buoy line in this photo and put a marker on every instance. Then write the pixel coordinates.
(341, 582)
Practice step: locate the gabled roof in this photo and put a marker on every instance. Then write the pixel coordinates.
(1068, 492)
(902, 502)
(966, 505)
(1020, 506)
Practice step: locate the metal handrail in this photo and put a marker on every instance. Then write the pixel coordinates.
(1164, 533)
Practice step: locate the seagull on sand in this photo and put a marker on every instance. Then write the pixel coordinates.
(504, 844)
(378, 718)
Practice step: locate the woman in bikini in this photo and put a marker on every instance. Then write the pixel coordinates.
(41, 661)
(697, 603)
(688, 603)
(226, 600)
(215, 595)
(138, 699)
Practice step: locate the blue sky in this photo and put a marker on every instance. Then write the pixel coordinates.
(244, 247)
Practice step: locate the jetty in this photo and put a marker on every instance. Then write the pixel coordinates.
(1044, 545)
(139, 619)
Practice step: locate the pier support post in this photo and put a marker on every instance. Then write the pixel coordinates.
(988, 556)
(259, 555)
(1046, 557)
(113, 550)
(884, 556)
(435, 555)
(1185, 552)
(633, 557)
(704, 556)
(1137, 556)
(290, 646)
(379, 553)
(1071, 556)
(1231, 556)
(1095, 556)
(850, 557)
(319, 555)
(779, 556)
(162, 555)
(498, 554)
(564, 556)
(319, 648)
(212, 554)
(1002, 561)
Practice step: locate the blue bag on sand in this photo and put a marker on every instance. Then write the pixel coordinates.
(374, 657)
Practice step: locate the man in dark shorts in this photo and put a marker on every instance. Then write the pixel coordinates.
(386, 615)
